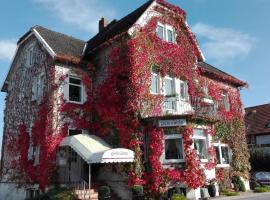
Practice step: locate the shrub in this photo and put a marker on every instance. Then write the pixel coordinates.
(261, 189)
(137, 189)
(230, 193)
(178, 197)
(104, 192)
(222, 188)
(238, 184)
(254, 184)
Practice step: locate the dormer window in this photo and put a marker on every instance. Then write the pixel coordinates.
(165, 32)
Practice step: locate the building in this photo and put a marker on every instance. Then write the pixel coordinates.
(139, 92)
(258, 125)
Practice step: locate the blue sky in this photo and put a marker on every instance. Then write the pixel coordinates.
(234, 35)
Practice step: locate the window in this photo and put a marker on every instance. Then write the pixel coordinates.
(40, 86)
(30, 56)
(168, 86)
(183, 90)
(173, 146)
(200, 145)
(36, 153)
(170, 36)
(222, 153)
(165, 32)
(160, 31)
(170, 102)
(155, 80)
(37, 87)
(74, 132)
(225, 100)
(75, 90)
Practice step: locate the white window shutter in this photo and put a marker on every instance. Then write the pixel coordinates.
(84, 99)
(177, 86)
(34, 88)
(65, 88)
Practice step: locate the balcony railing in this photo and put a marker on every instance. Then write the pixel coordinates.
(200, 107)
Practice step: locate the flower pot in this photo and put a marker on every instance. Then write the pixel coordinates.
(212, 190)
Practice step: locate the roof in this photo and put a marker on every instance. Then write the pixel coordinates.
(116, 27)
(60, 43)
(257, 119)
(211, 70)
(93, 149)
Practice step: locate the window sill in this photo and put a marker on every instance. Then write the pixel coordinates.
(75, 102)
(204, 160)
(173, 161)
(222, 165)
(153, 93)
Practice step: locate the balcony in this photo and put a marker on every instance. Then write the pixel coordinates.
(197, 107)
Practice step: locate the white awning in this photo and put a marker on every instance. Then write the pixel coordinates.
(94, 150)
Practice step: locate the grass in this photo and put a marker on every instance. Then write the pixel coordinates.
(261, 189)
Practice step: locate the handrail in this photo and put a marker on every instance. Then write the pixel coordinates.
(82, 187)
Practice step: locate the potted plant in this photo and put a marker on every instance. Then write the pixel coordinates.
(104, 193)
(137, 192)
(212, 188)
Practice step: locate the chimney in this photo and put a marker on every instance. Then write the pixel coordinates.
(103, 22)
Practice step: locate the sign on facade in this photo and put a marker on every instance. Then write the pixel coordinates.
(172, 122)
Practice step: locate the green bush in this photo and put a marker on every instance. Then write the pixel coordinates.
(231, 193)
(104, 191)
(238, 184)
(178, 197)
(261, 189)
(222, 188)
(138, 189)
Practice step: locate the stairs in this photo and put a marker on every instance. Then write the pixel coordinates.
(84, 194)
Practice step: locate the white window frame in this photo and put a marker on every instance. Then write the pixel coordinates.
(30, 55)
(164, 31)
(219, 145)
(225, 100)
(171, 137)
(166, 27)
(170, 28)
(158, 82)
(40, 85)
(185, 90)
(201, 138)
(81, 87)
(173, 84)
(174, 103)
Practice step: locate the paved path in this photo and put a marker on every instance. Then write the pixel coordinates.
(246, 196)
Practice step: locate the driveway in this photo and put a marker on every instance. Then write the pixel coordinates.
(247, 196)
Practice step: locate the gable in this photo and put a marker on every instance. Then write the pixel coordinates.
(29, 51)
(56, 45)
(139, 17)
(258, 119)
